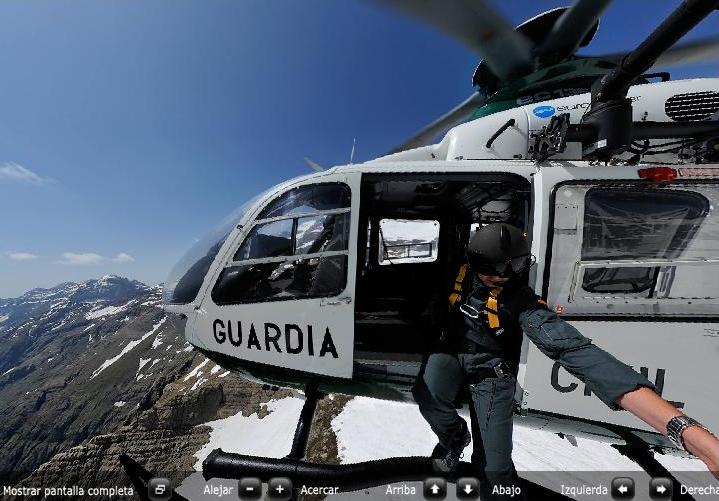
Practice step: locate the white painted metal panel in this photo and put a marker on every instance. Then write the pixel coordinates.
(679, 355)
(324, 327)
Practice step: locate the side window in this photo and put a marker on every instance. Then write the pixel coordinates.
(297, 248)
(636, 224)
(631, 250)
(267, 240)
(408, 241)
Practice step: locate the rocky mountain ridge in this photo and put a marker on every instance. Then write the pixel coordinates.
(90, 370)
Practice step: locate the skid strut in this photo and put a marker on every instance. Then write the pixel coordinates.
(304, 423)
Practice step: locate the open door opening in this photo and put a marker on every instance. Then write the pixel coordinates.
(412, 237)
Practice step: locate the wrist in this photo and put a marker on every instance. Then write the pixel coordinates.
(678, 425)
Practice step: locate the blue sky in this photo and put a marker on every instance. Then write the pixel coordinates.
(130, 128)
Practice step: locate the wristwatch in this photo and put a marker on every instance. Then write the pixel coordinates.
(676, 427)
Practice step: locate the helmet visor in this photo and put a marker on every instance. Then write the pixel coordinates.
(513, 266)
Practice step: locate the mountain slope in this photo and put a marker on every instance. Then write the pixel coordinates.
(71, 365)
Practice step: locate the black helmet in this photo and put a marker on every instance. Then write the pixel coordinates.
(499, 249)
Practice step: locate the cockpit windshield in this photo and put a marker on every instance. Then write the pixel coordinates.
(186, 277)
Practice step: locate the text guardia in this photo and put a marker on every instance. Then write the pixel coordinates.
(292, 339)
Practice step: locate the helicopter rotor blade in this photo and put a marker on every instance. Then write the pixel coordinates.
(704, 50)
(571, 29)
(453, 117)
(477, 26)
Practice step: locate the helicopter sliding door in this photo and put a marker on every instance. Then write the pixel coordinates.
(634, 266)
(282, 295)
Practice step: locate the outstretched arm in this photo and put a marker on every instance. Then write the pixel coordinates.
(614, 382)
(656, 412)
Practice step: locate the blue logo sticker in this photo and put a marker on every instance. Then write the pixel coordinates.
(544, 111)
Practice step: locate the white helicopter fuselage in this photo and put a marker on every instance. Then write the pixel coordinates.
(654, 305)
(651, 102)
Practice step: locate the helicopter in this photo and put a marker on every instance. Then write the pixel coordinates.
(328, 282)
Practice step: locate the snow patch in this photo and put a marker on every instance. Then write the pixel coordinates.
(119, 403)
(143, 363)
(127, 348)
(270, 436)
(103, 312)
(3, 318)
(215, 369)
(198, 383)
(407, 434)
(224, 374)
(9, 371)
(157, 342)
(88, 327)
(195, 371)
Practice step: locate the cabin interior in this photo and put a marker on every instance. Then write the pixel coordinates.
(413, 234)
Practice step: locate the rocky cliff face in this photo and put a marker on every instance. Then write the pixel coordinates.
(95, 369)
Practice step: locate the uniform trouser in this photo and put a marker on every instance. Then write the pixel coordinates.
(492, 400)
(443, 375)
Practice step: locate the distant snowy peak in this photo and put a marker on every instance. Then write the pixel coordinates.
(108, 288)
(68, 303)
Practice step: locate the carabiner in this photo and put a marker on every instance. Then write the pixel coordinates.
(470, 311)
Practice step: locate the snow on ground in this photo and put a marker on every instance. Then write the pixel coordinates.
(405, 433)
(103, 312)
(157, 342)
(119, 403)
(128, 348)
(3, 318)
(143, 363)
(88, 327)
(9, 371)
(270, 436)
(196, 371)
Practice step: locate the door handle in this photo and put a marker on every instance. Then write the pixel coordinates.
(336, 300)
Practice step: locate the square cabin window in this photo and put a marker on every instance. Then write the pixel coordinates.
(408, 241)
(639, 224)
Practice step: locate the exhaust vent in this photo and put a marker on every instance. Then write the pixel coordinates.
(692, 107)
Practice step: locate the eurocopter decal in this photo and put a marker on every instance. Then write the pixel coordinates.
(544, 111)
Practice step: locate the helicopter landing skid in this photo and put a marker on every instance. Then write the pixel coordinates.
(346, 477)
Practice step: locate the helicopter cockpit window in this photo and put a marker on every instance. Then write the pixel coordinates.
(267, 240)
(630, 249)
(308, 199)
(186, 277)
(297, 248)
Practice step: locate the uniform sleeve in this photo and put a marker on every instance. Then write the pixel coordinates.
(604, 375)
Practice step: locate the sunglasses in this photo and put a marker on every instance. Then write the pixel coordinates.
(513, 266)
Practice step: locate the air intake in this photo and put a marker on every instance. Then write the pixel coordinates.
(692, 107)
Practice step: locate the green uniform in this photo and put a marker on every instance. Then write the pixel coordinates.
(476, 345)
